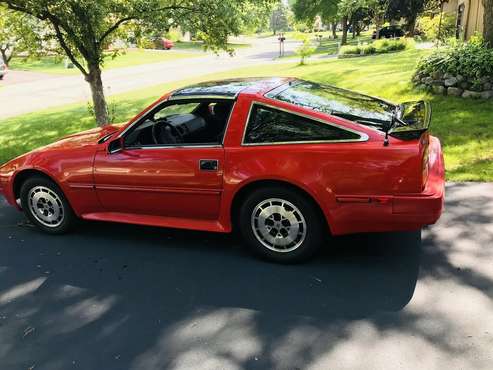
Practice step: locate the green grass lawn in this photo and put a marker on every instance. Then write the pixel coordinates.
(465, 127)
(327, 45)
(131, 57)
(330, 46)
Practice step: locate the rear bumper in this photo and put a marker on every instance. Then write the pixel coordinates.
(403, 212)
(427, 206)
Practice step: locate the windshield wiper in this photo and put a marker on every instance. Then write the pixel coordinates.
(396, 120)
(358, 119)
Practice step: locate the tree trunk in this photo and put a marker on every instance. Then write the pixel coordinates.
(488, 22)
(353, 29)
(5, 58)
(334, 30)
(411, 26)
(96, 84)
(344, 30)
(378, 25)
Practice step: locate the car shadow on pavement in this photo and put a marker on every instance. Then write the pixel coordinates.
(352, 275)
(117, 291)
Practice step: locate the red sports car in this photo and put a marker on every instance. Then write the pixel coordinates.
(284, 161)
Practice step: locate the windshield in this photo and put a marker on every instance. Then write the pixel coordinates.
(346, 104)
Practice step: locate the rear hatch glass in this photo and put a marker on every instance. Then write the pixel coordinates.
(405, 121)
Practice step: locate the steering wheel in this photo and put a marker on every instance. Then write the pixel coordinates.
(165, 133)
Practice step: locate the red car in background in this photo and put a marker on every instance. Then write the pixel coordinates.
(284, 161)
(162, 43)
(166, 44)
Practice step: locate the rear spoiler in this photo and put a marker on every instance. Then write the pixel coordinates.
(413, 119)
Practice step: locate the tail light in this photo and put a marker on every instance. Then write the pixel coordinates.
(425, 165)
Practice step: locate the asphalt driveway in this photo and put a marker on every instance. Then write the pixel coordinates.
(122, 297)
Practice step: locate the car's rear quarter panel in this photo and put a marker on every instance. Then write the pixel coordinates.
(332, 173)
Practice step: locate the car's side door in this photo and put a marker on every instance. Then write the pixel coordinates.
(175, 179)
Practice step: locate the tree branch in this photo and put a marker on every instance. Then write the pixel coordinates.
(114, 27)
(42, 16)
(67, 50)
(133, 17)
(56, 22)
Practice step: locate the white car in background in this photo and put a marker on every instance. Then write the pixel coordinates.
(3, 69)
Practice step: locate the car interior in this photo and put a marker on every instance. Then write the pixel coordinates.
(182, 123)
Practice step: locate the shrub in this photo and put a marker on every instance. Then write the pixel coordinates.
(366, 49)
(350, 50)
(378, 47)
(145, 43)
(173, 34)
(305, 50)
(387, 46)
(430, 27)
(472, 60)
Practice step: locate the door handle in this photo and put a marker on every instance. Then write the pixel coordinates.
(208, 164)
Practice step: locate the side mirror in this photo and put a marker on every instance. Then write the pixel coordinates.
(116, 145)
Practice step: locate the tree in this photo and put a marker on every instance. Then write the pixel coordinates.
(307, 10)
(279, 20)
(85, 28)
(410, 10)
(305, 50)
(378, 10)
(347, 9)
(488, 22)
(18, 33)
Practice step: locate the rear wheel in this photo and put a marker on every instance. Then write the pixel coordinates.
(281, 225)
(45, 205)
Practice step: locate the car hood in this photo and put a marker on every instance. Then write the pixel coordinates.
(84, 138)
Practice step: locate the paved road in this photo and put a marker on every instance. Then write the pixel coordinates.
(41, 93)
(122, 297)
(15, 77)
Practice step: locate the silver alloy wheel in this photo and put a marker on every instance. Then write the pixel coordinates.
(279, 225)
(46, 206)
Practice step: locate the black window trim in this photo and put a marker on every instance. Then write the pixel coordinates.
(185, 100)
(362, 136)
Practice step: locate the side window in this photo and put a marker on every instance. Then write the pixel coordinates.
(182, 123)
(269, 125)
(175, 109)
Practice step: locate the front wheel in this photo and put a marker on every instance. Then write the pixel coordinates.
(45, 205)
(281, 225)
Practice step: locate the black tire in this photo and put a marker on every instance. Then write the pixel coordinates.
(67, 218)
(314, 226)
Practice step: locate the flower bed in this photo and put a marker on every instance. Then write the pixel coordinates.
(460, 69)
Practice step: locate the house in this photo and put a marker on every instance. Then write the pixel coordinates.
(469, 16)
